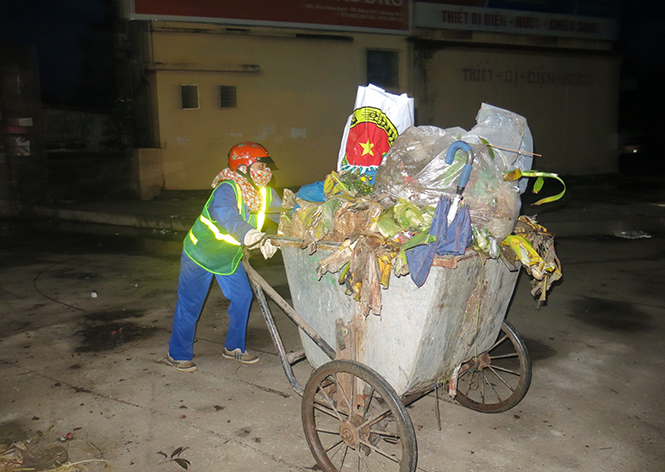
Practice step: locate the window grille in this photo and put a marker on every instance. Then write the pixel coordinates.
(228, 96)
(383, 68)
(189, 95)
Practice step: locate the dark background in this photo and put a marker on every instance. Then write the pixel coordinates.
(74, 44)
(73, 41)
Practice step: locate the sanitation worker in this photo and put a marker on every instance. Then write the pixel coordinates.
(232, 216)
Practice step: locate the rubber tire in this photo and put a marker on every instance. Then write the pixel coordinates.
(405, 428)
(522, 386)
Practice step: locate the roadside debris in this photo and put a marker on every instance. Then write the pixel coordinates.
(175, 457)
(34, 453)
(533, 246)
(632, 234)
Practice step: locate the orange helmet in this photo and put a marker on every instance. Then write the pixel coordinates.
(247, 154)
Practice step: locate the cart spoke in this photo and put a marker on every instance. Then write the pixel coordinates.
(482, 386)
(329, 409)
(493, 389)
(346, 450)
(469, 384)
(377, 458)
(385, 435)
(334, 446)
(329, 431)
(507, 385)
(378, 451)
(336, 454)
(372, 421)
(505, 356)
(499, 341)
(369, 401)
(346, 399)
(503, 369)
(354, 394)
(360, 459)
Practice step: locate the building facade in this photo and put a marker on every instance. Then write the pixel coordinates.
(205, 75)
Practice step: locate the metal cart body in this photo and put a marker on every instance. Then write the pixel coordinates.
(422, 333)
(368, 369)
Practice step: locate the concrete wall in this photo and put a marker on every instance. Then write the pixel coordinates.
(570, 99)
(296, 104)
(72, 130)
(150, 172)
(84, 177)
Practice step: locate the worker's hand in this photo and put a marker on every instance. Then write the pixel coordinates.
(267, 249)
(254, 238)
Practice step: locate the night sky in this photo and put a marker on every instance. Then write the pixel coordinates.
(642, 44)
(73, 42)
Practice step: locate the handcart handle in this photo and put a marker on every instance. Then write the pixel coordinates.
(278, 240)
(466, 170)
(262, 288)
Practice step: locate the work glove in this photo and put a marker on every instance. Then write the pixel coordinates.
(254, 238)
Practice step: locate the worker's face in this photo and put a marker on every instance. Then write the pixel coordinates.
(258, 166)
(260, 173)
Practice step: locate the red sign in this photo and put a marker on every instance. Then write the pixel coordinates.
(363, 15)
(16, 130)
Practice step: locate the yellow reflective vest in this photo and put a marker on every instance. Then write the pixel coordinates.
(210, 246)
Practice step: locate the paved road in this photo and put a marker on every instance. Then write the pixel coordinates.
(85, 318)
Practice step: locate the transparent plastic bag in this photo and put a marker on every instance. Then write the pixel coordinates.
(415, 169)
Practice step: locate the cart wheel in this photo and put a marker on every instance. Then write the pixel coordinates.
(354, 421)
(498, 379)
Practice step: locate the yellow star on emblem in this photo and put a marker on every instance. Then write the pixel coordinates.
(367, 148)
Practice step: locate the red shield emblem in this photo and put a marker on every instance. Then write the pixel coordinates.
(366, 145)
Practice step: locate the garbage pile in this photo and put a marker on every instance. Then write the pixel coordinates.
(438, 196)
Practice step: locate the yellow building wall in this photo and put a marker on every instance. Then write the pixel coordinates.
(296, 105)
(569, 100)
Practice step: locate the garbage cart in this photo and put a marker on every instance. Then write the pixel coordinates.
(447, 336)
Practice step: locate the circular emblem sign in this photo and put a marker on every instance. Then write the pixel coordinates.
(371, 134)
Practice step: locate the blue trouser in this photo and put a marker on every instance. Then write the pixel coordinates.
(193, 287)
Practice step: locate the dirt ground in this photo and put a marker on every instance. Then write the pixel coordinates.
(85, 320)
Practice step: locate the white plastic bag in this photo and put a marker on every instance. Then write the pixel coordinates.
(378, 118)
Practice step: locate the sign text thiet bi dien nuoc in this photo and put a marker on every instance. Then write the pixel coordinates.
(526, 22)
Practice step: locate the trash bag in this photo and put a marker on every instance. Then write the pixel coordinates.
(415, 169)
(312, 192)
(378, 118)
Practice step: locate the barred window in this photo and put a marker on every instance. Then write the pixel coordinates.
(189, 95)
(228, 96)
(383, 68)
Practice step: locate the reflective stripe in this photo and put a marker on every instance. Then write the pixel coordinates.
(261, 217)
(192, 237)
(218, 234)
